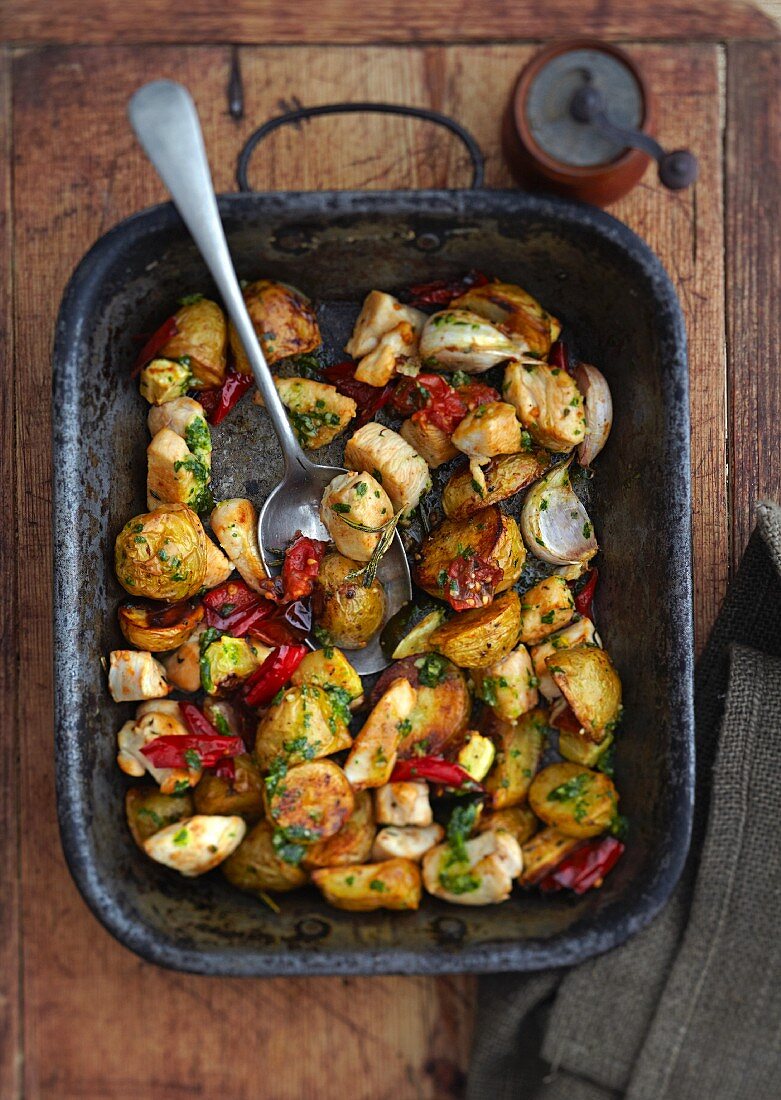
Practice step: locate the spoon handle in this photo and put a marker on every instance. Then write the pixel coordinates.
(166, 124)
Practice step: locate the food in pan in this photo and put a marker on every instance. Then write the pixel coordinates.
(479, 762)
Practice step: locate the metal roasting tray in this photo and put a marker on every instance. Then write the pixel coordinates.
(620, 311)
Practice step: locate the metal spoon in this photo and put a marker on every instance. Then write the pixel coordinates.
(166, 123)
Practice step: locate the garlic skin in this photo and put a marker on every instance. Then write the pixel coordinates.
(457, 339)
(598, 405)
(555, 525)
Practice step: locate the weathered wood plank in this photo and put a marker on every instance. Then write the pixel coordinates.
(10, 947)
(386, 1037)
(753, 207)
(400, 21)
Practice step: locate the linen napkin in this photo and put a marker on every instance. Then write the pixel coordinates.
(690, 1009)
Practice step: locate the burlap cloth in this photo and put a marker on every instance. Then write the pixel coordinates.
(690, 1009)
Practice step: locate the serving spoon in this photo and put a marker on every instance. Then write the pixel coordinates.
(165, 121)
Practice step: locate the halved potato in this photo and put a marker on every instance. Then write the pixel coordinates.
(201, 341)
(580, 632)
(157, 628)
(488, 534)
(394, 884)
(329, 668)
(576, 800)
(515, 312)
(353, 842)
(255, 866)
(588, 680)
(311, 802)
(544, 851)
(519, 750)
(504, 477)
(582, 750)
(442, 702)
(478, 638)
(518, 821)
(301, 726)
(148, 811)
(509, 686)
(545, 608)
(284, 320)
(347, 612)
(373, 754)
(241, 795)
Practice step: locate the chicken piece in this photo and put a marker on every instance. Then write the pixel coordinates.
(182, 667)
(159, 706)
(490, 430)
(373, 754)
(509, 686)
(411, 842)
(431, 443)
(186, 417)
(379, 314)
(581, 632)
(235, 523)
(545, 608)
(218, 566)
(403, 804)
(548, 403)
(486, 876)
(174, 475)
(317, 411)
(354, 508)
(395, 349)
(396, 465)
(132, 738)
(134, 675)
(196, 845)
(164, 380)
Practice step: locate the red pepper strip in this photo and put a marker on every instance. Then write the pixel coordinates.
(273, 674)
(226, 769)
(441, 293)
(285, 625)
(227, 598)
(369, 399)
(471, 582)
(558, 356)
(585, 597)
(156, 341)
(584, 868)
(217, 403)
(169, 751)
(566, 722)
(436, 770)
(301, 566)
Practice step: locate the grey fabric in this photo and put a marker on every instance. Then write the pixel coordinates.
(690, 1009)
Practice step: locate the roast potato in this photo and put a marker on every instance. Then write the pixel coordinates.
(544, 851)
(518, 821)
(354, 509)
(548, 404)
(545, 608)
(196, 845)
(394, 884)
(373, 754)
(301, 726)
(256, 868)
(157, 628)
(283, 319)
(310, 802)
(353, 842)
(161, 555)
(241, 795)
(478, 638)
(580, 632)
(576, 800)
(509, 686)
(148, 810)
(442, 703)
(588, 680)
(518, 751)
(347, 613)
(581, 749)
(488, 534)
(235, 523)
(228, 662)
(476, 755)
(515, 313)
(329, 668)
(504, 476)
(201, 342)
(395, 464)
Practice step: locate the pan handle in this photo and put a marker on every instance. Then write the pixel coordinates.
(303, 113)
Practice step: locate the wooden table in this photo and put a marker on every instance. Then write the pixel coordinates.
(81, 1017)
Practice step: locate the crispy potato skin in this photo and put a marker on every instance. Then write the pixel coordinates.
(328, 667)
(303, 715)
(284, 320)
(353, 842)
(588, 680)
(518, 751)
(579, 632)
(482, 636)
(347, 611)
(493, 536)
(159, 629)
(504, 476)
(545, 608)
(312, 801)
(373, 754)
(543, 851)
(242, 795)
(256, 868)
(202, 338)
(514, 312)
(393, 884)
(584, 802)
(441, 712)
(148, 810)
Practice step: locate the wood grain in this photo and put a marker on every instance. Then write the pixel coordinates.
(753, 280)
(88, 1002)
(10, 1063)
(404, 21)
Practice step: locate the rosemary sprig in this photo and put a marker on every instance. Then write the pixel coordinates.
(369, 571)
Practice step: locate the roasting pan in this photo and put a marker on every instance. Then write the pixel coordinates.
(620, 311)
